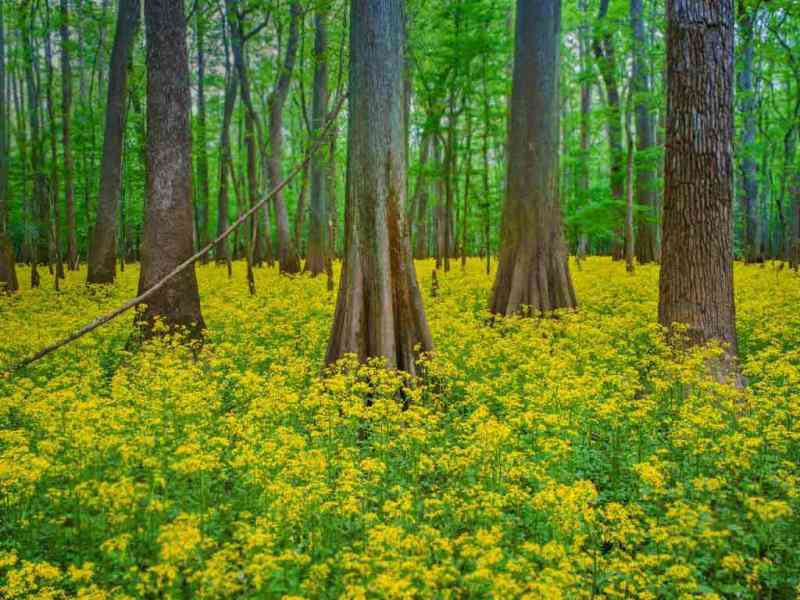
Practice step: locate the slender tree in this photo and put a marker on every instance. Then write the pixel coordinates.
(202, 138)
(168, 220)
(379, 310)
(533, 273)
(66, 120)
(696, 283)
(222, 252)
(317, 222)
(8, 271)
(103, 247)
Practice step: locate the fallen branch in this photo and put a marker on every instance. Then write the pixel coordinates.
(189, 261)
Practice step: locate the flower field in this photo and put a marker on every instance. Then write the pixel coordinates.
(576, 457)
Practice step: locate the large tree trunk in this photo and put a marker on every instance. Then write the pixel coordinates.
(379, 310)
(605, 53)
(102, 250)
(8, 271)
(747, 104)
(533, 273)
(318, 214)
(66, 116)
(41, 203)
(168, 218)
(696, 284)
(202, 143)
(287, 254)
(645, 174)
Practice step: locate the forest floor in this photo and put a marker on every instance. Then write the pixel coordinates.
(542, 458)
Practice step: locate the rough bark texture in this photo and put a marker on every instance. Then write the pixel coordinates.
(747, 105)
(8, 272)
(168, 219)
(66, 117)
(645, 188)
(318, 214)
(287, 253)
(696, 283)
(379, 310)
(533, 272)
(102, 250)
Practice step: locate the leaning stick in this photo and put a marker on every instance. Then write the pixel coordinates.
(189, 261)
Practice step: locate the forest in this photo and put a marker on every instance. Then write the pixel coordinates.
(399, 299)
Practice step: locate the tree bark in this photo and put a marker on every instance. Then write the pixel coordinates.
(168, 219)
(379, 310)
(645, 174)
(533, 273)
(102, 250)
(8, 271)
(318, 221)
(66, 117)
(696, 283)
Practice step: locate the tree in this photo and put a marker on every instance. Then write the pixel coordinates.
(379, 310)
(696, 283)
(222, 251)
(317, 223)
(8, 271)
(66, 117)
(202, 144)
(533, 273)
(168, 220)
(103, 247)
(645, 176)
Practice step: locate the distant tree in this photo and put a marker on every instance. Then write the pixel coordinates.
(696, 283)
(66, 120)
(8, 271)
(103, 247)
(533, 274)
(168, 220)
(379, 310)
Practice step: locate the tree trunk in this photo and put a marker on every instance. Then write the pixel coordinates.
(585, 126)
(102, 250)
(629, 238)
(8, 271)
(747, 104)
(222, 251)
(533, 273)
(645, 175)
(287, 254)
(55, 224)
(318, 221)
(202, 143)
(41, 203)
(467, 175)
(696, 283)
(168, 218)
(66, 116)
(420, 203)
(605, 53)
(379, 310)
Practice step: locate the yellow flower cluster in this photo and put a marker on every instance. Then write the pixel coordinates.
(572, 457)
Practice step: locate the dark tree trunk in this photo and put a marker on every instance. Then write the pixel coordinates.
(168, 219)
(53, 184)
(8, 271)
(645, 174)
(379, 310)
(318, 214)
(605, 53)
(696, 284)
(202, 140)
(66, 116)
(102, 250)
(747, 106)
(287, 254)
(533, 273)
